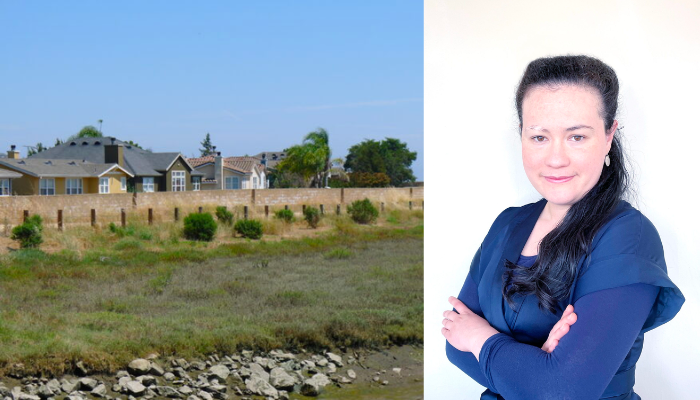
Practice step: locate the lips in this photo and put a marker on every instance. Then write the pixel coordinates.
(558, 179)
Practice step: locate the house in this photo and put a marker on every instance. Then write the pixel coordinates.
(230, 172)
(150, 171)
(48, 177)
(270, 159)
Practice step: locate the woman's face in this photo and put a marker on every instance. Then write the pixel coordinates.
(564, 141)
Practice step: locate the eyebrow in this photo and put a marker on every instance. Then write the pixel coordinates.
(573, 128)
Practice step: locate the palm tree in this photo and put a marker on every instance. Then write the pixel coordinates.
(319, 150)
(310, 159)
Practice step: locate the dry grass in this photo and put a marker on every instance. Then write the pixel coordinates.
(105, 298)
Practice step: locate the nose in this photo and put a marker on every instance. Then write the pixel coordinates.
(557, 156)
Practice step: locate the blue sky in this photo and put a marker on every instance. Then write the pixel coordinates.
(256, 75)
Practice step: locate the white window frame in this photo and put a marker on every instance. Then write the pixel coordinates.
(178, 181)
(74, 186)
(196, 182)
(230, 183)
(148, 185)
(5, 187)
(104, 185)
(123, 180)
(255, 182)
(47, 187)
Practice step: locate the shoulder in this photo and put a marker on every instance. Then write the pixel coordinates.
(627, 232)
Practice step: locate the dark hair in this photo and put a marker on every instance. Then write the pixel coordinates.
(553, 273)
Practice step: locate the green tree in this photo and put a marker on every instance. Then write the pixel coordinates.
(207, 147)
(35, 149)
(311, 159)
(134, 144)
(58, 142)
(389, 156)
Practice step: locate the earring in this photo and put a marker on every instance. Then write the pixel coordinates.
(607, 160)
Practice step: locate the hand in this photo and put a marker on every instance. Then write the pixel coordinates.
(465, 330)
(560, 329)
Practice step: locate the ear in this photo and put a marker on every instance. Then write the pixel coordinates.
(610, 134)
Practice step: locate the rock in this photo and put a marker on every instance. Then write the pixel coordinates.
(376, 379)
(283, 395)
(397, 371)
(26, 396)
(81, 369)
(156, 369)
(186, 390)
(44, 392)
(280, 379)
(152, 356)
(245, 372)
(279, 355)
(204, 395)
(331, 368)
(181, 362)
(198, 365)
(4, 391)
(256, 369)
(117, 388)
(352, 375)
(54, 385)
(314, 385)
(135, 388)
(169, 376)
(99, 390)
(139, 366)
(217, 391)
(147, 380)
(259, 386)
(167, 391)
(124, 380)
(247, 354)
(69, 387)
(220, 372)
(87, 384)
(122, 374)
(322, 362)
(335, 359)
(385, 383)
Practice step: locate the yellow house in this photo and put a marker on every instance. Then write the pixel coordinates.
(53, 177)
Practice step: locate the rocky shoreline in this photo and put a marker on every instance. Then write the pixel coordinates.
(246, 375)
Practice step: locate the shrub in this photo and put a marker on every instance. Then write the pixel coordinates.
(285, 215)
(199, 227)
(121, 232)
(28, 234)
(249, 228)
(312, 215)
(369, 179)
(363, 212)
(223, 215)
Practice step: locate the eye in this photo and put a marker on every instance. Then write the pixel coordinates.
(538, 139)
(577, 138)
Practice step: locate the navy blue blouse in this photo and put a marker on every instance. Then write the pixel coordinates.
(621, 288)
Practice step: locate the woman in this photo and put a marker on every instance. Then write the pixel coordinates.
(560, 293)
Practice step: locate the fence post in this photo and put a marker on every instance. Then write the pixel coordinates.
(123, 218)
(422, 205)
(382, 206)
(337, 209)
(410, 205)
(303, 208)
(267, 211)
(93, 217)
(245, 212)
(25, 215)
(200, 210)
(177, 214)
(60, 220)
(286, 207)
(150, 216)
(320, 207)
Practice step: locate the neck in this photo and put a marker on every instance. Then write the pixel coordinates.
(555, 212)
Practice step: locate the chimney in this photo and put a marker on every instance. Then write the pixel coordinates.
(12, 153)
(219, 170)
(114, 154)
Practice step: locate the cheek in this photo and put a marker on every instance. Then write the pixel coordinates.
(531, 161)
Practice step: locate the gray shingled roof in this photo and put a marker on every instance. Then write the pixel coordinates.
(137, 161)
(56, 168)
(5, 174)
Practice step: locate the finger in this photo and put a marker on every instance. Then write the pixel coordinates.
(568, 310)
(446, 333)
(458, 305)
(553, 346)
(449, 314)
(571, 319)
(445, 321)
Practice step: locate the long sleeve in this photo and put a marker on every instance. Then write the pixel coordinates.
(587, 357)
(465, 360)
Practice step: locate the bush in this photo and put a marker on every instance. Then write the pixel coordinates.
(285, 215)
(363, 212)
(249, 228)
(223, 215)
(121, 232)
(199, 227)
(369, 179)
(28, 234)
(312, 215)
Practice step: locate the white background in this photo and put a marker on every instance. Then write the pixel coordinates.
(475, 53)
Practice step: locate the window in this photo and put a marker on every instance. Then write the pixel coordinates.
(5, 189)
(104, 185)
(74, 186)
(232, 182)
(47, 187)
(196, 180)
(178, 181)
(123, 183)
(148, 184)
(255, 182)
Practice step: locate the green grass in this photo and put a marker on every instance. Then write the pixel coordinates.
(107, 298)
